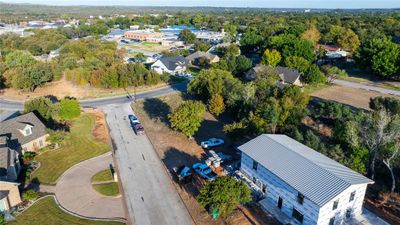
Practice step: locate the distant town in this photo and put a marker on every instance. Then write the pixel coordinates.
(199, 115)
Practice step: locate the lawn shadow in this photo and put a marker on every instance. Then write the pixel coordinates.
(157, 109)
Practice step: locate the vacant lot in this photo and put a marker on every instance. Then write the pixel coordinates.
(79, 145)
(175, 149)
(352, 96)
(46, 211)
(147, 46)
(64, 88)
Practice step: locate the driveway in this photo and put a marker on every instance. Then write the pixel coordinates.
(369, 87)
(75, 193)
(150, 196)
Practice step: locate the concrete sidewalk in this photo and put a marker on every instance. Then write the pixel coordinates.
(75, 193)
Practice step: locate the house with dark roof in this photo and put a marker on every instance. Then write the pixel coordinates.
(301, 185)
(172, 65)
(9, 161)
(195, 57)
(24, 133)
(287, 76)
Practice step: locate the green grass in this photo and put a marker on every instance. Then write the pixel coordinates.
(101, 176)
(46, 212)
(79, 145)
(107, 189)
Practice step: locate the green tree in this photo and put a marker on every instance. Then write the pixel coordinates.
(224, 194)
(216, 105)
(349, 41)
(242, 64)
(272, 58)
(298, 63)
(381, 55)
(187, 36)
(187, 117)
(19, 59)
(69, 109)
(314, 76)
(250, 40)
(312, 34)
(42, 105)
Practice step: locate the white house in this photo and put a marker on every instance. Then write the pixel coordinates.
(300, 184)
(172, 65)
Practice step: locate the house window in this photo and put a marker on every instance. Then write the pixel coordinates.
(40, 143)
(335, 204)
(352, 195)
(297, 215)
(332, 221)
(255, 165)
(348, 212)
(28, 131)
(300, 198)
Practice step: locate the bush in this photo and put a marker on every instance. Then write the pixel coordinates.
(30, 195)
(69, 109)
(187, 117)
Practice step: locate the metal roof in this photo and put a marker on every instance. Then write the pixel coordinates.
(317, 177)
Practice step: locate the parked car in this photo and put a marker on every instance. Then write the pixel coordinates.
(133, 119)
(212, 142)
(204, 171)
(183, 173)
(138, 128)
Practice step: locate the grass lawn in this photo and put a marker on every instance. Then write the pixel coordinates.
(107, 189)
(78, 146)
(104, 175)
(46, 211)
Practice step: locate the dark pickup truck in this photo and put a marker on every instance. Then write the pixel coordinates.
(138, 128)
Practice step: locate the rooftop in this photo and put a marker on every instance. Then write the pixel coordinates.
(317, 177)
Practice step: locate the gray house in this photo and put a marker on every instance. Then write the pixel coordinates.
(24, 133)
(172, 65)
(9, 161)
(300, 184)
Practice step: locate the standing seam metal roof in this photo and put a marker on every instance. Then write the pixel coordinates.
(317, 177)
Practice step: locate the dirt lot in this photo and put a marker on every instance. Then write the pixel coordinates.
(175, 149)
(351, 96)
(100, 130)
(64, 88)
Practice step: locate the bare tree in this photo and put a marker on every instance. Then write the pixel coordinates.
(377, 132)
(389, 157)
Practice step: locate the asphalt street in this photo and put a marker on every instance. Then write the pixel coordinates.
(150, 196)
(6, 104)
(369, 87)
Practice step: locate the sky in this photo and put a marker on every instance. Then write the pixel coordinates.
(351, 4)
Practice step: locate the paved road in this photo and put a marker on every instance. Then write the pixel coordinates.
(149, 194)
(369, 87)
(19, 105)
(75, 193)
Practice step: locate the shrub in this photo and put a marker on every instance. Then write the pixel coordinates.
(30, 195)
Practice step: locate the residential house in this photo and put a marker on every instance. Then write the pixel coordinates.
(287, 76)
(24, 133)
(172, 65)
(9, 161)
(333, 51)
(195, 57)
(9, 196)
(299, 184)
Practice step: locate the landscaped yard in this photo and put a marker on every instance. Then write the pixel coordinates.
(46, 212)
(101, 176)
(103, 182)
(107, 189)
(79, 145)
